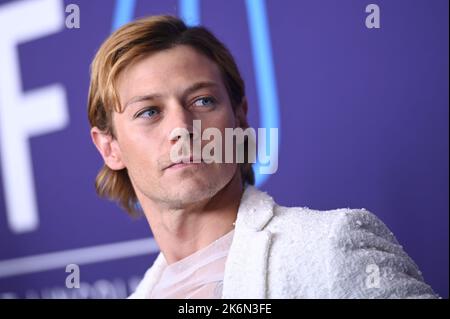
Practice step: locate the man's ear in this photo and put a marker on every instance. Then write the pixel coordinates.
(241, 114)
(108, 148)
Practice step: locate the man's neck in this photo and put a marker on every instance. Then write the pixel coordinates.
(181, 232)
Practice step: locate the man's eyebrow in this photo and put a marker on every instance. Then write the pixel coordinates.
(141, 98)
(194, 87)
(199, 85)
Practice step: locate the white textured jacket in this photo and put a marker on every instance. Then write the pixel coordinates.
(281, 252)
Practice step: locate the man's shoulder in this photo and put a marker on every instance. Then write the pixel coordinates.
(260, 211)
(333, 252)
(333, 223)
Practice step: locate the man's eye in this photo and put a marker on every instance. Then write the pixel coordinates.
(148, 113)
(205, 101)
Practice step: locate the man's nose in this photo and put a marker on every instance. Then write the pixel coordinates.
(180, 123)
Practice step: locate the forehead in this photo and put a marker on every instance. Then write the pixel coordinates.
(166, 71)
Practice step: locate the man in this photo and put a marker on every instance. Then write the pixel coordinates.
(219, 236)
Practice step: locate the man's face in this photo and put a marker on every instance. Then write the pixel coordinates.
(159, 93)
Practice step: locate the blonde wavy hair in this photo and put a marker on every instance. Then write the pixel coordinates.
(129, 43)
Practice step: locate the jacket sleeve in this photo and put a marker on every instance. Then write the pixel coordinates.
(368, 262)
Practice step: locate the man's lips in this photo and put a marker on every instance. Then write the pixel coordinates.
(184, 162)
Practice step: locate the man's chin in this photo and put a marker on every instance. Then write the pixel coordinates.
(194, 189)
(191, 187)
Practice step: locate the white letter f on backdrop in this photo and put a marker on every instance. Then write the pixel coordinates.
(25, 115)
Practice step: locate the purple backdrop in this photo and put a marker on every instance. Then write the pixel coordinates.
(363, 123)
